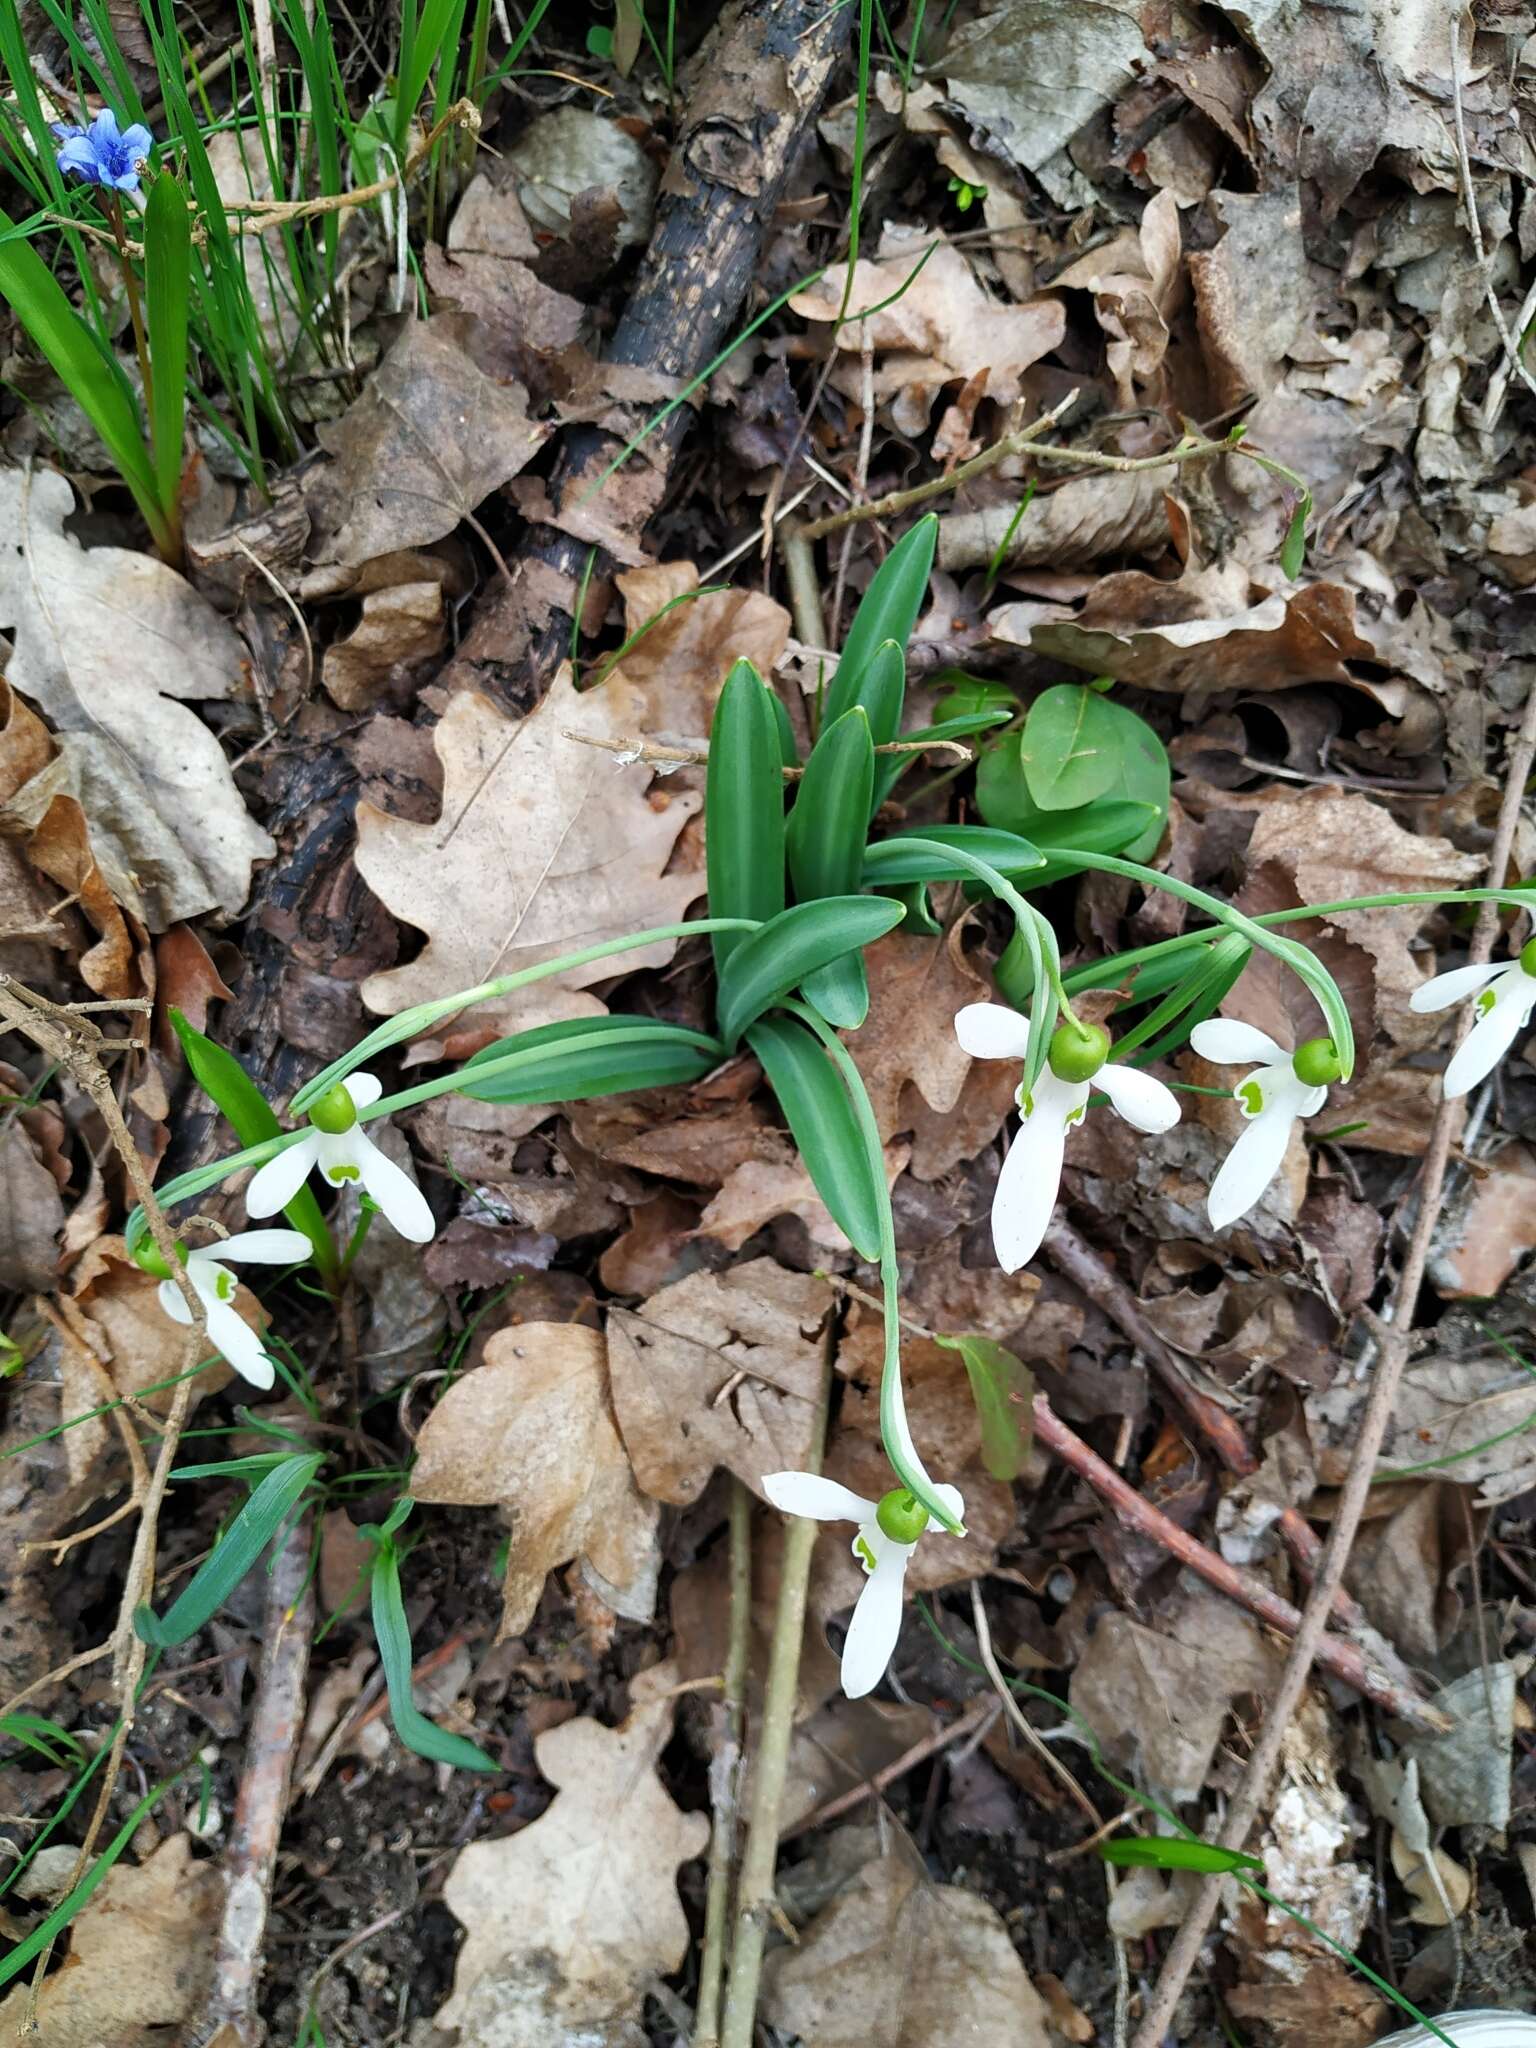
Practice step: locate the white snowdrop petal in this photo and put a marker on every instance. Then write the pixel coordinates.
(1232, 1043)
(1485, 1044)
(274, 1185)
(1140, 1098)
(1455, 986)
(876, 1623)
(1027, 1188)
(403, 1203)
(364, 1089)
(263, 1248)
(239, 1344)
(172, 1301)
(989, 1031)
(1250, 1166)
(816, 1499)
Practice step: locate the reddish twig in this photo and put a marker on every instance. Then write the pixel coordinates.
(1083, 1266)
(1252, 1795)
(1343, 1659)
(276, 1719)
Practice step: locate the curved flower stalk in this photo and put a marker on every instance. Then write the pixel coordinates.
(341, 1151)
(215, 1286)
(1077, 1062)
(1504, 995)
(888, 1533)
(1283, 1088)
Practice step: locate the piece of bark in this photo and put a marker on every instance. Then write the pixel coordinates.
(752, 98)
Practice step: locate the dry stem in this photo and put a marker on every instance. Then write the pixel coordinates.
(725, 1772)
(1253, 1794)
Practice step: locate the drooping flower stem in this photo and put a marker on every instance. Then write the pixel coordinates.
(114, 212)
(895, 1432)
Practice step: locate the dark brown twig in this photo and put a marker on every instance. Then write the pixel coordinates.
(1343, 1659)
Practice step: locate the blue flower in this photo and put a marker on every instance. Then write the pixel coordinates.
(103, 155)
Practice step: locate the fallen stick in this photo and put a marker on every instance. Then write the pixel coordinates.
(1080, 1264)
(1345, 1660)
(277, 1716)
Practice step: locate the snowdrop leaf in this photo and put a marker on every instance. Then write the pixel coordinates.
(394, 1639)
(771, 962)
(744, 807)
(816, 1106)
(887, 611)
(1002, 1387)
(825, 843)
(233, 1555)
(891, 863)
(893, 766)
(582, 1057)
(1174, 1852)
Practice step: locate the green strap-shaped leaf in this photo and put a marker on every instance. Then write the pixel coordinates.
(889, 863)
(780, 956)
(253, 1120)
(82, 365)
(822, 1122)
(1173, 1852)
(887, 611)
(167, 296)
(1002, 1387)
(235, 1553)
(825, 843)
(744, 807)
(590, 1056)
(394, 1639)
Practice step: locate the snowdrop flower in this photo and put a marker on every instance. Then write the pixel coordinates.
(103, 155)
(1078, 1061)
(1505, 995)
(1285, 1087)
(215, 1287)
(887, 1536)
(342, 1151)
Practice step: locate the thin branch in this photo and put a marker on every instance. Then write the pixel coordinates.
(1252, 1795)
(725, 1772)
(1474, 225)
(1343, 1659)
(659, 755)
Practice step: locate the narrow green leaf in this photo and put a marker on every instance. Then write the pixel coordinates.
(394, 1640)
(789, 752)
(82, 364)
(823, 1125)
(167, 297)
(840, 991)
(235, 1553)
(887, 611)
(794, 944)
(888, 863)
(825, 834)
(893, 766)
(253, 1120)
(1293, 550)
(1002, 1387)
(744, 807)
(1110, 824)
(1173, 1852)
(882, 692)
(628, 1053)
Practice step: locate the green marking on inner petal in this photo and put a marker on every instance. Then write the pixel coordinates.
(1025, 1100)
(1250, 1094)
(1074, 1116)
(224, 1286)
(337, 1174)
(862, 1551)
(1486, 1001)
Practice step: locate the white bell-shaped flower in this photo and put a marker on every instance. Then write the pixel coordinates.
(1284, 1087)
(888, 1533)
(1078, 1062)
(340, 1149)
(1504, 993)
(216, 1287)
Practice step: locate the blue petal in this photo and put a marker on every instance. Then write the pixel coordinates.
(124, 181)
(78, 155)
(66, 131)
(104, 130)
(138, 141)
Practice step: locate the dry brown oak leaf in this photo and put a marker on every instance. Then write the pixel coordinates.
(544, 846)
(531, 1431)
(569, 1919)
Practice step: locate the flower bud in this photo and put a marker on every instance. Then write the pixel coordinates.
(901, 1515)
(1078, 1051)
(335, 1112)
(1317, 1062)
